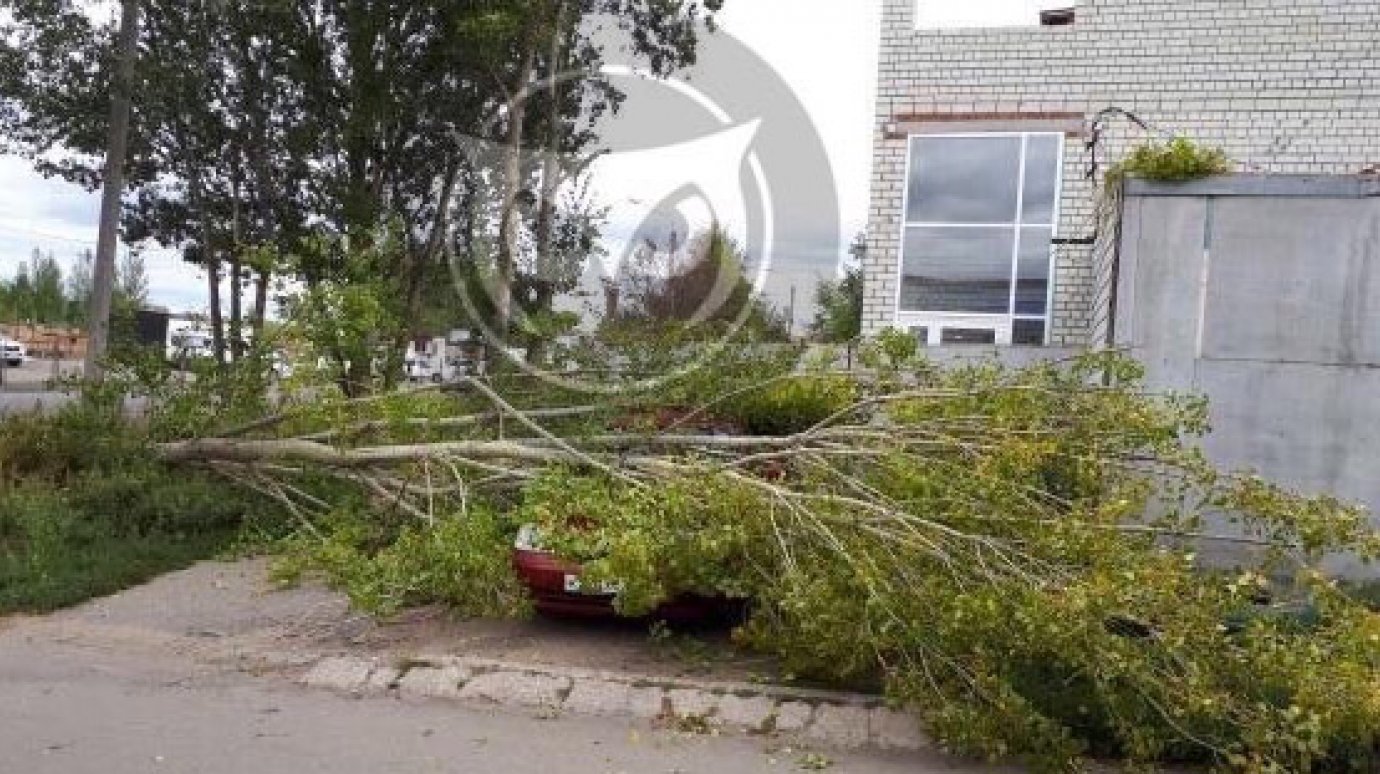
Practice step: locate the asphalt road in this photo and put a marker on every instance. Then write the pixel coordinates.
(37, 372)
(197, 673)
(75, 710)
(26, 388)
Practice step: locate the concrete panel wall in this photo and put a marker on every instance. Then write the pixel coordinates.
(1268, 302)
(1315, 261)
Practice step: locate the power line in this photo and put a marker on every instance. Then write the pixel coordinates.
(44, 235)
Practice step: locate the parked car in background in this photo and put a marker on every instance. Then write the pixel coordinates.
(185, 344)
(439, 361)
(14, 353)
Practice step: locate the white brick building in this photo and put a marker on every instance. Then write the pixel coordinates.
(982, 159)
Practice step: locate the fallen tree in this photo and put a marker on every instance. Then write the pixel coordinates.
(1012, 554)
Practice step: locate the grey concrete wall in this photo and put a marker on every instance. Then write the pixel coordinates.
(1264, 295)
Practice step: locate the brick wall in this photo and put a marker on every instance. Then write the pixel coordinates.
(1290, 86)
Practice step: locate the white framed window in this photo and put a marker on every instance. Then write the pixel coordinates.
(980, 216)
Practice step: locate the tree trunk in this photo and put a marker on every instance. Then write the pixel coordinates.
(261, 283)
(217, 315)
(236, 310)
(264, 187)
(236, 279)
(103, 279)
(512, 187)
(545, 300)
(418, 262)
(208, 246)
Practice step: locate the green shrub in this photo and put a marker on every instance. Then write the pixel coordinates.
(59, 548)
(54, 448)
(86, 509)
(791, 405)
(1178, 160)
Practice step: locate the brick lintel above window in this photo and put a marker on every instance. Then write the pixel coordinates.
(906, 125)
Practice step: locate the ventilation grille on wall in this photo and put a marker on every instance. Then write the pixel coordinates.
(1057, 17)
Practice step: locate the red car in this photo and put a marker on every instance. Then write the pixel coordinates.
(557, 590)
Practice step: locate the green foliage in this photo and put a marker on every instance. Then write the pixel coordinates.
(792, 404)
(1012, 594)
(682, 364)
(198, 398)
(86, 510)
(54, 554)
(39, 293)
(1178, 160)
(274, 124)
(654, 543)
(839, 318)
(1011, 554)
(353, 319)
(462, 561)
(702, 286)
(890, 350)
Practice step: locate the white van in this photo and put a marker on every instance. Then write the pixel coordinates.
(14, 353)
(190, 343)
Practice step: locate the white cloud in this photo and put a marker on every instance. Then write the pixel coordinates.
(60, 218)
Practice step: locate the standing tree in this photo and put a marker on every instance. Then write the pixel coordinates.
(48, 304)
(117, 143)
(79, 288)
(839, 318)
(700, 284)
(22, 295)
(132, 284)
(260, 129)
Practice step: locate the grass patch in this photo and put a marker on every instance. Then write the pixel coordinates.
(86, 510)
(99, 569)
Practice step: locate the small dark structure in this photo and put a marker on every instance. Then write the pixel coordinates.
(1057, 17)
(151, 327)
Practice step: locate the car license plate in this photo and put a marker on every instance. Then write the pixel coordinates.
(573, 585)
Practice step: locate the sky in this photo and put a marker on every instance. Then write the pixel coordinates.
(837, 90)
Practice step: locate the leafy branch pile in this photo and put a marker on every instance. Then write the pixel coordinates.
(1012, 554)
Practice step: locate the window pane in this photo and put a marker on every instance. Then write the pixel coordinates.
(969, 336)
(1028, 333)
(1041, 178)
(964, 179)
(957, 270)
(1032, 273)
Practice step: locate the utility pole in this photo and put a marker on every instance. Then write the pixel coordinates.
(103, 276)
(791, 315)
